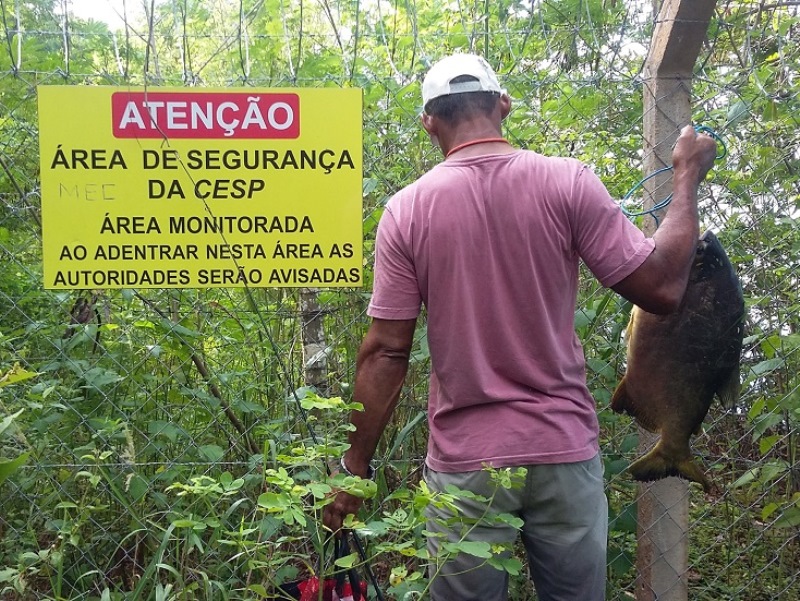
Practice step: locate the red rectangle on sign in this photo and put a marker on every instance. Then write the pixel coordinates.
(211, 115)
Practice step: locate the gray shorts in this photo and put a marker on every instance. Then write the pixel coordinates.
(565, 515)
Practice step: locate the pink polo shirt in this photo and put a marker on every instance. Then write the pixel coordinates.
(491, 246)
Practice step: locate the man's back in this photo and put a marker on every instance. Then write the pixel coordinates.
(491, 245)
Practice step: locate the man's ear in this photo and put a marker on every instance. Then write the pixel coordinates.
(430, 124)
(505, 106)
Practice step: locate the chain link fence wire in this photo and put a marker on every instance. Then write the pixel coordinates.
(136, 454)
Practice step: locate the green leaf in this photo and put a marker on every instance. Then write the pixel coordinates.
(764, 422)
(738, 111)
(620, 560)
(376, 528)
(746, 478)
(359, 487)
(583, 317)
(507, 518)
(212, 452)
(475, 548)
(98, 377)
(767, 366)
(258, 589)
(625, 520)
(407, 429)
(602, 368)
(368, 185)
(273, 501)
(319, 490)
(773, 471)
(768, 511)
(789, 519)
(185, 523)
(298, 515)
(616, 466)
(175, 328)
(757, 408)
(452, 489)
(15, 375)
(348, 561)
(769, 344)
(9, 466)
(371, 221)
(313, 401)
(512, 565)
(767, 442)
(138, 487)
(8, 420)
(629, 443)
(162, 428)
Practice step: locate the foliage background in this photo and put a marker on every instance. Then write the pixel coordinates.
(146, 437)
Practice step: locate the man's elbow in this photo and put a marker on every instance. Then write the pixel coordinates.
(397, 354)
(660, 297)
(663, 300)
(657, 286)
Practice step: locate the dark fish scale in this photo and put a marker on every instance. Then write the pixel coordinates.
(678, 362)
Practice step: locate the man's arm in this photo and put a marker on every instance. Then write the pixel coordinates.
(658, 284)
(381, 367)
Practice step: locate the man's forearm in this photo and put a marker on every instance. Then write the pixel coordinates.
(659, 283)
(678, 234)
(380, 370)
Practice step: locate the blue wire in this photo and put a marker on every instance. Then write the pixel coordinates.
(665, 202)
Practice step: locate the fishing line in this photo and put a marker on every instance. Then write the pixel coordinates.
(723, 152)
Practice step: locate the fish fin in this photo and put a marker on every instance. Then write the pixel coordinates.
(728, 393)
(621, 402)
(656, 465)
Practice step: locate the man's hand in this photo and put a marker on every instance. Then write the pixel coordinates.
(694, 153)
(658, 284)
(344, 504)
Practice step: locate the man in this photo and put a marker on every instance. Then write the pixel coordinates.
(489, 240)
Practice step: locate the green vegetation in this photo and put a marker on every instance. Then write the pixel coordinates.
(171, 444)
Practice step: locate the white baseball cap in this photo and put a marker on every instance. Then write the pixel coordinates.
(437, 81)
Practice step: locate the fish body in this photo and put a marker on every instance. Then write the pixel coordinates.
(678, 362)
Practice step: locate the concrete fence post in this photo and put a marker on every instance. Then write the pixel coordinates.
(663, 506)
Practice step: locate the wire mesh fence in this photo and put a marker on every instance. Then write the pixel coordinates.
(155, 443)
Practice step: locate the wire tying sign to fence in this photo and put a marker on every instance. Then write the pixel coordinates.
(181, 188)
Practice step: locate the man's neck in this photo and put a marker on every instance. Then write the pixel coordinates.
(474, 138)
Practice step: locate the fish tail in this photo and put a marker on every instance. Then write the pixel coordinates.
(657, 464)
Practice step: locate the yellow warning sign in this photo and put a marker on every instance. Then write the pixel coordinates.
(183, 188)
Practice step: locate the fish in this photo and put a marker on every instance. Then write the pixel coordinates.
(677, 363)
